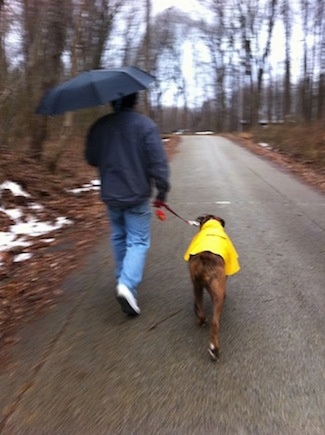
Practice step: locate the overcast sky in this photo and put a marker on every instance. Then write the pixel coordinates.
(185, 5)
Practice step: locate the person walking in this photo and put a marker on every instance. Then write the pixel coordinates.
(127, 149)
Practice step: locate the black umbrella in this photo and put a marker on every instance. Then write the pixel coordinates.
(93, 88)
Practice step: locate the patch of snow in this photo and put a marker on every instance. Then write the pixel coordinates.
(93, 185)
(35, 206)
(24, 227)
(13, 213)
(22, 257)
(204, 132)
(14, 188)
(9, 240)
(264, 145)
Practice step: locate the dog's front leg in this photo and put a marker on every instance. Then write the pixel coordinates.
(198, 304)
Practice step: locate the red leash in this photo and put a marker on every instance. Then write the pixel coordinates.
(174, 213)
(163, 204)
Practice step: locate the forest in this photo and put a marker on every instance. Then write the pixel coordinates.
(226, 66)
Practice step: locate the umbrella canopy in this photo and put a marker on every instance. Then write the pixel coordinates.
(93, 88)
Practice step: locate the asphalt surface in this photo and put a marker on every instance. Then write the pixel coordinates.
(85, 368)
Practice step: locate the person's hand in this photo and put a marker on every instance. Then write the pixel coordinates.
(158, 203)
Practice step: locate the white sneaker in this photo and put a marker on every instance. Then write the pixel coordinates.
(127, 300)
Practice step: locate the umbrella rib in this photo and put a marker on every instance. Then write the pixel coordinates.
(97, 92)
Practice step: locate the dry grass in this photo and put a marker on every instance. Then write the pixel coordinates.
(298, 148)
(305, 143)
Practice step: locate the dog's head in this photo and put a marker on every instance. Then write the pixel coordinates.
(203, 218)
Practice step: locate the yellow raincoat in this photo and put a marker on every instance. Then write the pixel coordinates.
(213, 238)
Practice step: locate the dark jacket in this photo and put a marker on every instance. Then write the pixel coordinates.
(128, 151)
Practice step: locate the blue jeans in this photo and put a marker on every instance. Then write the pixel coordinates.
(130, 240)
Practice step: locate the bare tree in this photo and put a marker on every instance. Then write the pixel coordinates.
(320, 25)
(306, 81)
(92, 25)
(3, 54)
(256, 17)
(147, 43)
(287, 22)
(217, 35)
(44, 43)
(12, 83)
(131, 34)
(163, 56)
(4, 91)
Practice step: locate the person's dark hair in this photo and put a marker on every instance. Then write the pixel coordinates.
(129, 101)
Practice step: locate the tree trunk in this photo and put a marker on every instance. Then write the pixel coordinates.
(45, 28)
(287, 19)
(321, 77)
(64, 136)
(147, 51)
(39, 135)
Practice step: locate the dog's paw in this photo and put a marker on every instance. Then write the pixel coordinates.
(214, 352)
(201, 320)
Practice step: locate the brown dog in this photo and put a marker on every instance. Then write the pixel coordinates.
(211, 257)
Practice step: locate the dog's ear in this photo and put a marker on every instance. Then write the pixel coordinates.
(203, 218)
(200, 219)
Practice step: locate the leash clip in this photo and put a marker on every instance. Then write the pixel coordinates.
(194, 223)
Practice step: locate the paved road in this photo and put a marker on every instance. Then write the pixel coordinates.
(86, 369)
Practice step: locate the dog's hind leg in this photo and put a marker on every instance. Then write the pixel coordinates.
(198, 303)
(195, 266)
(217, 293)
